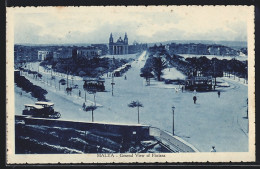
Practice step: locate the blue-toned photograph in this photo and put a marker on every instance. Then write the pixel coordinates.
(107, 80)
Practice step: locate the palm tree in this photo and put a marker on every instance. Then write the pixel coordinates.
(62, 82)
(146, 73)
(91, 108)
(137, 104)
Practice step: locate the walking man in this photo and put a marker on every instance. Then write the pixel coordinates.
(213, 149)
(84, 106)
(194, 99)
(182, 89)
(218, 94)
(79, 93)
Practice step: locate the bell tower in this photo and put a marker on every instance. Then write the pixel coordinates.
(111, 38)
(126, 39)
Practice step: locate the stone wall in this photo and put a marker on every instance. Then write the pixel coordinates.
(128, 132)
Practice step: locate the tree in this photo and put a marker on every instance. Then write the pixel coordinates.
(158, 65)
(137, 104)
(91, 88)
(91, 108)
(146, 72)
(62, 82)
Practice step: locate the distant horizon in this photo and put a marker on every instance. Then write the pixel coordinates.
(208, 42)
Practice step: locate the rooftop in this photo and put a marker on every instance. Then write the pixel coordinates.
(44, 103)
(34, 106)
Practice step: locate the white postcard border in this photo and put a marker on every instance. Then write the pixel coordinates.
(13, 158)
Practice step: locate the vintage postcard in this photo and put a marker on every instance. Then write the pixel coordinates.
(121, 84)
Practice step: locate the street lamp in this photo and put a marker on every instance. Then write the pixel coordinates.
(113, 83)
(173, 108)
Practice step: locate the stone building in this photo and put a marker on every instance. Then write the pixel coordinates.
(102, 47)
(89, 52)
(62, 53)
(120, 47)
(42, 55)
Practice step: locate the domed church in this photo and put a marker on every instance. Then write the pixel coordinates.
(120, 47)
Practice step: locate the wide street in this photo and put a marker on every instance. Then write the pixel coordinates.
(212, 121)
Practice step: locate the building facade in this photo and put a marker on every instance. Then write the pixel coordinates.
(89, 52)
(42, 55)
(120, 47)
(102, 47)
(62, 53)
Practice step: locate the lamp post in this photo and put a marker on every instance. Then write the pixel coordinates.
(113, 83)
(173, 108)
(215, 80)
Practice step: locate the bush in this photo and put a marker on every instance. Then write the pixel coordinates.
(82, 73)
(27, 86)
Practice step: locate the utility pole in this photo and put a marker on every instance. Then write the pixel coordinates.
(215, 76)
(247, 116)
(67, 77)
(173, 108)
(113, 83)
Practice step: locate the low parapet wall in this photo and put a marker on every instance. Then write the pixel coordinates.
(128, 132)
(175, 143)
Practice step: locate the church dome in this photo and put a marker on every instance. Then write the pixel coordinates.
(120, 39)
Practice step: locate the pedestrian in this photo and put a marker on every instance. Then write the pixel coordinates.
(84, 106)
(213, 149)
(79, 93)
(218, 94)
(194, 99)
(21, 93)
(125, 77)
(182, 89)
(195, 92)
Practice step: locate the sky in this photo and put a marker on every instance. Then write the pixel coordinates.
(61, 25)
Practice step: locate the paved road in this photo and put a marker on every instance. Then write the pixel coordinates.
(212, 121)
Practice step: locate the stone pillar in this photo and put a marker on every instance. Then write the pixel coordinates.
(112, 50)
